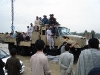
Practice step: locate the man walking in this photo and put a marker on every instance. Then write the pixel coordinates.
(89, 58)
(66, 62)
(39, 62)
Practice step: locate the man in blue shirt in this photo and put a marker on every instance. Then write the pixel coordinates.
(45, 20)
(15, 34)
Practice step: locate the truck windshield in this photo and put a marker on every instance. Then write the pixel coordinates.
(64, 31)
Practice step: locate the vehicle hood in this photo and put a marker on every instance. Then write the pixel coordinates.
(77, 36)
(5, 59)
(72, 39)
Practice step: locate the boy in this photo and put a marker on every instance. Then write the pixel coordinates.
(13, 65)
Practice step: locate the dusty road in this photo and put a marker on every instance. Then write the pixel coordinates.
(54, 67)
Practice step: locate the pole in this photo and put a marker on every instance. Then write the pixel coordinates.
(12, 10)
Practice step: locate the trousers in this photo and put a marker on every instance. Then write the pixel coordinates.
(50, 42)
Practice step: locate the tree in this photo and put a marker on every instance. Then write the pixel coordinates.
(85, 31)
(93, 33)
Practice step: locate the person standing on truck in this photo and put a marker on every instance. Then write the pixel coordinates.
(28, 31)
(31, 30)
(39, 62)
(54, 24)
(50, 39)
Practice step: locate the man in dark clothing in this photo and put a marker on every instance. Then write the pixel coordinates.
(94, 71)
(13, 65)
(52, 20)
(1, 67)
(19, 38)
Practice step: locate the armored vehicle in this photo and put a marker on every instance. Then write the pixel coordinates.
(28, 47)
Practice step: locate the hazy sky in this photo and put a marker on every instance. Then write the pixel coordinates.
(77, 15)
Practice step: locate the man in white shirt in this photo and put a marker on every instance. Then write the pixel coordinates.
(31, 30)
(28, 31)
(66, 62)
(50, 39)
(39, 62)
(37, 23)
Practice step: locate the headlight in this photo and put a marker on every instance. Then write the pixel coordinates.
(67, 38)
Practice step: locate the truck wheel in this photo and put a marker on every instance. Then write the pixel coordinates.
(22, 51)
(10, 46)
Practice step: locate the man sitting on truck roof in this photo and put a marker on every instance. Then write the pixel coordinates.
(40, 20)
(45, 20)
(52, 20)
(37, 24)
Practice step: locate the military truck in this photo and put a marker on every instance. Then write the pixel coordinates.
(28, 47)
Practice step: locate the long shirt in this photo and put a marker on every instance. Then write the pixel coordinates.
(66, 63)
(88, 59)
(39, 64)
(49, 33)
(13, 66)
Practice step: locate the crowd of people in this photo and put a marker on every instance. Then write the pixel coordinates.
(48, 21)
(88, 62)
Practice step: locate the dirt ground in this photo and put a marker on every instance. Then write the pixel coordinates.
(54, 67)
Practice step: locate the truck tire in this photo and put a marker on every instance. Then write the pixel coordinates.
(22, 51)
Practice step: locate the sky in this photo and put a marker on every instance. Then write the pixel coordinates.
(77, 15)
